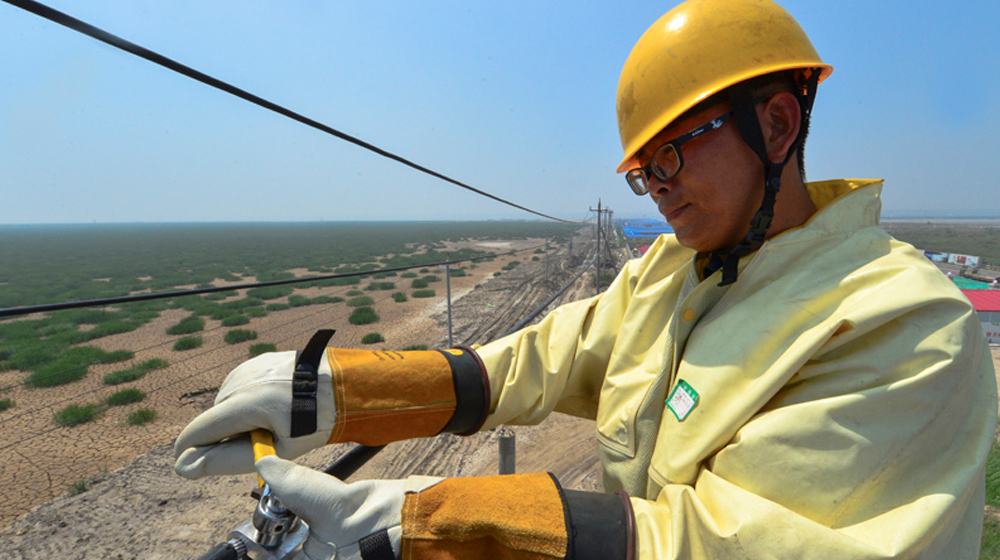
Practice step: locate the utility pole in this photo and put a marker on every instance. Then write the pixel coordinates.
(601, 212)
(447, 283)
(546, 260)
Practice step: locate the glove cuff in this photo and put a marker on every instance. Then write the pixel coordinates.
(515, 517)
(385, 396)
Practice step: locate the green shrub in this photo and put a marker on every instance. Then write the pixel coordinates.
(188, 325)
(153, 364)
(539, 251)
(457, 273)
(993, 476)
(135, 372)
(511, 265)
(124, 397)
(298, 301)
(408, 275)
(219, 296)
(276, 307)
(256, 312)
(359, 301)
(123, 376)
(363, 316)
(535, 259)
(141, 416)
(413, 347)
(76, 414)
(237, 336)
(495, 274)
(399, 297)
(381, 286)
(262, 348)
(188, 343)
(270, 292)
(372, 338)
(423, 293)
(78, 487)
(327, 299)
(431, 278)
(235, 320)
(5, 404)
(354, 293)
(69, 367)
(82, 316)
(419, 283)
(117, 356)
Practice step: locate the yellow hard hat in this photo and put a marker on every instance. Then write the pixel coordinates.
(697, 49)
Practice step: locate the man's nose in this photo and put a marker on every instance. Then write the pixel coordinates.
(658, 187)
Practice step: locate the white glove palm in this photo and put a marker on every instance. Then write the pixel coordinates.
(339, 515)
(257, 394)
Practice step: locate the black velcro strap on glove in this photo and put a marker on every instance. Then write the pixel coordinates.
(600, 526)
(376, 547)
(304, 384)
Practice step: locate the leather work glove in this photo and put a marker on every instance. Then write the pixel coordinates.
(372, 397)
(343, 518)
(257, 394)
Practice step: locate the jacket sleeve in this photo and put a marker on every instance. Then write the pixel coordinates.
(874, 449)
(560, 363)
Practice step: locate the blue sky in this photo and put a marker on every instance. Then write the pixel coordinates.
(516, 98)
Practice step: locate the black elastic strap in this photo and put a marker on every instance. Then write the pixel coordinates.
(377, 546)
(597, 525)
(472, 400)
(745, 115)
(749, 126)
(305, 381)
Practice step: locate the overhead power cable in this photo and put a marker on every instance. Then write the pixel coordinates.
(49, 307)
(95, 32)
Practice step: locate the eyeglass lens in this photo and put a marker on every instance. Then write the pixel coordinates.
(666, 162)
(637, 181)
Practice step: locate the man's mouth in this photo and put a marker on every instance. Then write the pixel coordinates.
(672, 213)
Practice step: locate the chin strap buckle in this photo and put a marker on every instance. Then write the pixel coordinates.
(305, 381)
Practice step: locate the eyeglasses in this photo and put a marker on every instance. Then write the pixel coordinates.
(667, 161)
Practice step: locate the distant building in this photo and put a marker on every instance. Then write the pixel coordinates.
(645, 228)
(640, 234)
(987, 305)
(966, 260)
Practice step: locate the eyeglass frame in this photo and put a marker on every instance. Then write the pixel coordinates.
(643, 173)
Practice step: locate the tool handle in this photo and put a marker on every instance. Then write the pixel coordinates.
(222, 551)
(263, 445)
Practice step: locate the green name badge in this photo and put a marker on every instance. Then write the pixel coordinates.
(682, 400)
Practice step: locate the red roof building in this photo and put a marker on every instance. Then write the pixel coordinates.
(984, 300)
(987, 305)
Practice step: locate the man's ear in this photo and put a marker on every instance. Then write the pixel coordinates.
(780, 121)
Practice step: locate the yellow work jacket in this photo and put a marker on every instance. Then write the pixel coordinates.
(837, 401)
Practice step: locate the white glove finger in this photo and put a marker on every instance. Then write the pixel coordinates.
(234, 456)
(237, 415)
(311, 494)
(271, 366)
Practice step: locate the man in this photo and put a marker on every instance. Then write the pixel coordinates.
(780, 379)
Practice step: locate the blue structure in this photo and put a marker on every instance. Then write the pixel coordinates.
(645, 228)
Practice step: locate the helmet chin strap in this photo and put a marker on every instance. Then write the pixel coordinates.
(745, 116)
